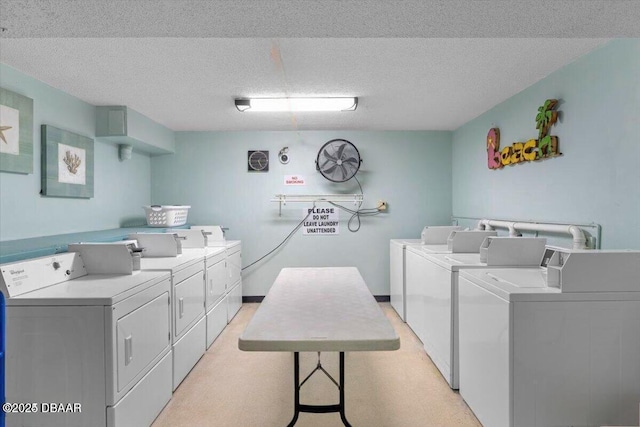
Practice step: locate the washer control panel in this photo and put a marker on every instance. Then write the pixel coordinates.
(27, 276)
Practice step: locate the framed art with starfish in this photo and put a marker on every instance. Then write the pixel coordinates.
(16, 132)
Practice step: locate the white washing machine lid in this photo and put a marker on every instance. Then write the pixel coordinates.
(530, 284)
(495, 252)
(455, 262)
(458, 262)
(406, 242)
(429, 249)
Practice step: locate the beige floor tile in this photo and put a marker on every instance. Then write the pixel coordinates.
(233, 388)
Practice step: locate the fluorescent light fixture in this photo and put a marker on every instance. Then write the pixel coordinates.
(297, 104)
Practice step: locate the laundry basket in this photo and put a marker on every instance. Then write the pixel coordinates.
(166, 216)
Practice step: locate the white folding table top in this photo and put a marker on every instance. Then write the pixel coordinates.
(319, 309)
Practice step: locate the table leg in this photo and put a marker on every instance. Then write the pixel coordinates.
(318, 409)
(296, 388)
(343, 416)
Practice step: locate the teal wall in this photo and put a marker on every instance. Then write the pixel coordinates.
(409, 170)
(120, 188)
(424, 176)
(598, 177)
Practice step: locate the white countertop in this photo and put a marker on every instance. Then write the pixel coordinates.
(319, 309)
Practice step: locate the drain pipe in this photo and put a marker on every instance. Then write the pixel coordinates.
(579, 239)
(483, 224)
(512, 230)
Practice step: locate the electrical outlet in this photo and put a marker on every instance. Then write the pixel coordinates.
(382, 205)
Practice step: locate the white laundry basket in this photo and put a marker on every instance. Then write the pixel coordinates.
(166, 216)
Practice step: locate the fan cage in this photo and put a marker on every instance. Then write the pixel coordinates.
(327, 164)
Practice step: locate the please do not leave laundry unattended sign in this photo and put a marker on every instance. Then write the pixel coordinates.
(321, 221)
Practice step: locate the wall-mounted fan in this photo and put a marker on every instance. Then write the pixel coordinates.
(338, 160)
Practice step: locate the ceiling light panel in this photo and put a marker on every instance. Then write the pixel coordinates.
(297, 104)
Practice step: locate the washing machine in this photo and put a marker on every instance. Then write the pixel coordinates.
(186, 266)
(397, 273)
(87, 339)
(439, 291)
(397, 262)
(455, 242)
(557, 345)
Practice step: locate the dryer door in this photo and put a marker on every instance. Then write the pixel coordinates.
(234, 267)
(188, 303)
(141, 335)
(216, 281)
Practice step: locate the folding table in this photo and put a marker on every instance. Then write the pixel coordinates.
(315, 310)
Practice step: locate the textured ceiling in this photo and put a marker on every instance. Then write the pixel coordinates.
(320, 18)
(413, 64)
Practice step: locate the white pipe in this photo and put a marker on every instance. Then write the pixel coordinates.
(483, 224)
(579, 239)
(512, 230)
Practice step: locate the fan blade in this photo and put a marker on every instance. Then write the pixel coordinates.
(331, 169)
(325, 163)
(344, 172)
(350, 160)
(340, 150)
(329, 156)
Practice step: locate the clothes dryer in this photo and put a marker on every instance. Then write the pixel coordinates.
(556, 345)
(186, 269)
(215, 292)
(233, 254)
(99, 343)
(223, 275)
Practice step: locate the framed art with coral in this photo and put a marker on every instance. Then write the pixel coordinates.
(67, 163)
(16, 132)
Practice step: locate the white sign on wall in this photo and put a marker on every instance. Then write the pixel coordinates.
(321, 221)
(294, 180)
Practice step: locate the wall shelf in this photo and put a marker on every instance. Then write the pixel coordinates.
(283, 199)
